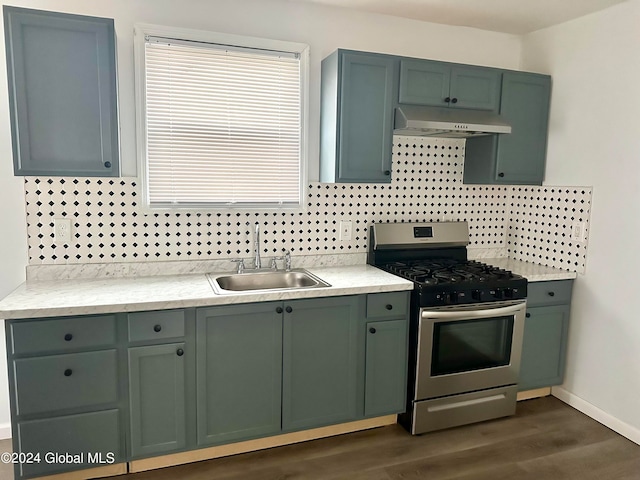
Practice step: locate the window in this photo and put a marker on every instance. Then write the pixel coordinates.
(221, 120)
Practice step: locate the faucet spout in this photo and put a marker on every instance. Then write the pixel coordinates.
(256, 246)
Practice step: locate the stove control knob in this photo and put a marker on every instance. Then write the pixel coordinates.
(442, 298)
(508, 292)
(453, 297)
(497, 293)
(477, 295)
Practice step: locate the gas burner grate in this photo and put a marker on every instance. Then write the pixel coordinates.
(447, 271)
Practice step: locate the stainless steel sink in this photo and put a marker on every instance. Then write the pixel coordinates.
(256, 281)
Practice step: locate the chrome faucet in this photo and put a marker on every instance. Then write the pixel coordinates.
(256, 245)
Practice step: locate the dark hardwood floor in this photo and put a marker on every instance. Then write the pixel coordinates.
(546, 439)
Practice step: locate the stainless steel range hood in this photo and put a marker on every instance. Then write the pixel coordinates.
(447, 122)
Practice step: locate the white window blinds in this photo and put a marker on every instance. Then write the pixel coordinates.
(223, 125)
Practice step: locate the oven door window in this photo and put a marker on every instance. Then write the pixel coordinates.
(468, 345)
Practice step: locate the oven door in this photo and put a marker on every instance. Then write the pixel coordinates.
(468, 348)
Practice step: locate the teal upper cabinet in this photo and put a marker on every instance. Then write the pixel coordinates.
(358, 99)
(423, 82)
(426, 82)
(519, 157)
(525, 105)
(62, 93)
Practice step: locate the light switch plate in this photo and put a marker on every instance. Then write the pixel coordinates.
(345, 230)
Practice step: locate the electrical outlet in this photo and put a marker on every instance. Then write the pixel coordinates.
(578, 232)
(62, 227)
(345, 231)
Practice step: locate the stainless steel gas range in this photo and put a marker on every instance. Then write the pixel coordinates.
(466, 325)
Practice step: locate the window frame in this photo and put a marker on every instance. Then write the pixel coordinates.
(141, 31)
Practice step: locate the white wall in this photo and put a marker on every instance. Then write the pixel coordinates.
(13, 240)
(595, 140)
(323, 28)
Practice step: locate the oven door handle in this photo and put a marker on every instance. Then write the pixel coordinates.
(466, 314)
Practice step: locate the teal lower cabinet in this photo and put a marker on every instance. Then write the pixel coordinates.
(546, 328)
(320, 343)
(157, 399)
(239, 372)
(385, 367)
(127, 386)
(65, 393)
(69, 442)
(544, 347)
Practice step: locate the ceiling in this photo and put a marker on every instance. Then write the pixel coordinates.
(508, 16)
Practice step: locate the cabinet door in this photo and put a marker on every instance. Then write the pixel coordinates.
(93, 439)
(62, 84)
(544, 347)
(475, 87)
(424, 82)
(239, 372)
(157, 398)
(320, 362)
(525, 105)
(386, 368)
(366, 118)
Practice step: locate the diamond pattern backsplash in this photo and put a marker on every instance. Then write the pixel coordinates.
(108, 225)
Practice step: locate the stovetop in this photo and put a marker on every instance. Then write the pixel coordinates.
(446, 281)
(447, 271)
(434, 256)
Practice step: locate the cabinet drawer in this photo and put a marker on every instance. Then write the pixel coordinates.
(59, 382)
(145, 326)
(62, 334)
(392, 304)
(557, 292)
(88, 433)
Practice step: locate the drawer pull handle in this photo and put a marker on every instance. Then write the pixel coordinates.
(372, 330)
(180, 352)
(279, 310)
(388, 306)
(551, 294)
(528, 315)
(157, 328)
(107, 164)
(68, 372)
(68, 337)
(289, 309)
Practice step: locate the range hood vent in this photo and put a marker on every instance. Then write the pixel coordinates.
(447, 122)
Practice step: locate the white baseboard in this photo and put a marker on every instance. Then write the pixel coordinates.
(5, 430)
(608, 420)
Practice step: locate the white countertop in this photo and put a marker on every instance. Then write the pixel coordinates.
(531, 271)
(49, 298)
(108, 295)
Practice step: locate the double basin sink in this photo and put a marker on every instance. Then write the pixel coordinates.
(264, 281)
